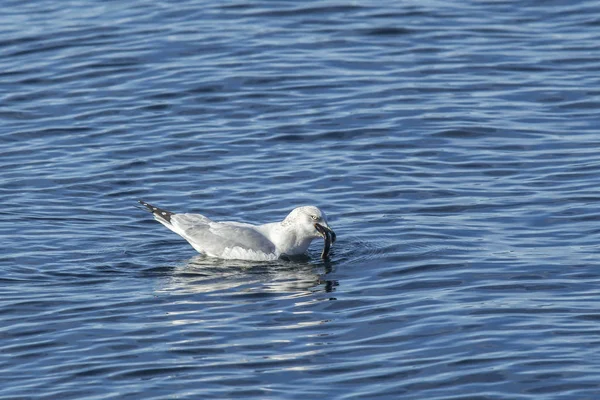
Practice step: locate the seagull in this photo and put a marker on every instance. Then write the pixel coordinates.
(242, 241)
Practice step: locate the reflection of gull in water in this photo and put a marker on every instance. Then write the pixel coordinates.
(235, 240)
(206, 275)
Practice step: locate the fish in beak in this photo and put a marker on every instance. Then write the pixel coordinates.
(329, 237)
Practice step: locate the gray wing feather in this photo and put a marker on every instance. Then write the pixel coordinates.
(215, 237)
(185, 221)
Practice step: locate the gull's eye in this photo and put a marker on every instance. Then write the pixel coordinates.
(314, 217)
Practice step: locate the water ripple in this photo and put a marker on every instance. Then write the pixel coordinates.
(453, 146)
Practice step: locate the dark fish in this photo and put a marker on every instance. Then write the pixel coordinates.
(328, 240)
(329, 237)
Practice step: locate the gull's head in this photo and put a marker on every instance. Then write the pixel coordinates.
(311, 221)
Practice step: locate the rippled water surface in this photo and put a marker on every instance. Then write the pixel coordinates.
(454, 146)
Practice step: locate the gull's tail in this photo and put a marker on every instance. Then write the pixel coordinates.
(162, 216)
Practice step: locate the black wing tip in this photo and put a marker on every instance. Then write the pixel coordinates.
(157, 212)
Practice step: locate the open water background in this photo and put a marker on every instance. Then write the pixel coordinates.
(453, 144)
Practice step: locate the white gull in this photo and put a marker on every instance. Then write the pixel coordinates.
(236, 240)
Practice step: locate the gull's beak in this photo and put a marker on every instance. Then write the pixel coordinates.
(324, 230)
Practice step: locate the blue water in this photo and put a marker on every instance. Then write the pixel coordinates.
(453, 146)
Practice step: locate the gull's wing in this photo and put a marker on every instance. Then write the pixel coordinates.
(223, 239)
